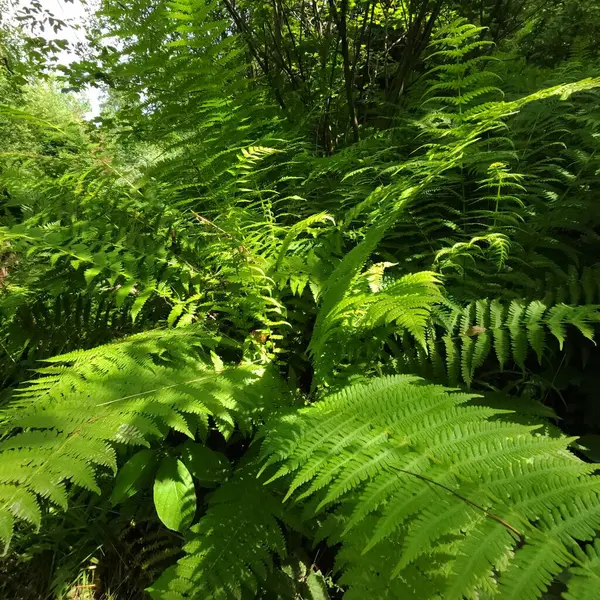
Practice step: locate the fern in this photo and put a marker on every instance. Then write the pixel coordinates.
(125, 393)
(510, 331)
(585, 577)
(406, 303)
(416, 472)
(221, 208)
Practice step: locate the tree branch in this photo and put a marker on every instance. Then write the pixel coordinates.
(341, 19)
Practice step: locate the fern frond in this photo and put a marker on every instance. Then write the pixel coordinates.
(511, 329)
(404, 304)
(63, 426)
(416, 471)
(585, 578)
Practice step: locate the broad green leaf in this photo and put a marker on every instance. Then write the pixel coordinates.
(174, 494)
(134, 474)
(206, 465)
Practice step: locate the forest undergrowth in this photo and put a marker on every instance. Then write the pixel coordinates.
(309, 310)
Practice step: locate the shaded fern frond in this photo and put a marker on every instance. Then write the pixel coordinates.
(229, 552)
(586, 577)
(508, 331)
(573, 287)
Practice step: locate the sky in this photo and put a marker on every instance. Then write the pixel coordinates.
(74, 14)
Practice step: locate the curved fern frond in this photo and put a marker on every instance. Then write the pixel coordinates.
(63, 425)
(419, 473)
(404, 304)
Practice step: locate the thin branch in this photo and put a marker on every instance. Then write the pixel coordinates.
(253, 50)
(469, 502)
(341, 18)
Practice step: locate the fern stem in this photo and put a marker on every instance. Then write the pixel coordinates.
(167, 387)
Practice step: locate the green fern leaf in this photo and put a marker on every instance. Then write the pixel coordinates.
(583, 584)
(422, 470)
(62, 426)
(535, 329)
(501, 344)
(516, 312)
(452, 360)
(229, 552)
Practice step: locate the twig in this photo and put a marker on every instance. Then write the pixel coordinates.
(470, 502)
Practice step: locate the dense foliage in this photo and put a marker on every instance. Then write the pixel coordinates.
(309, 310)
